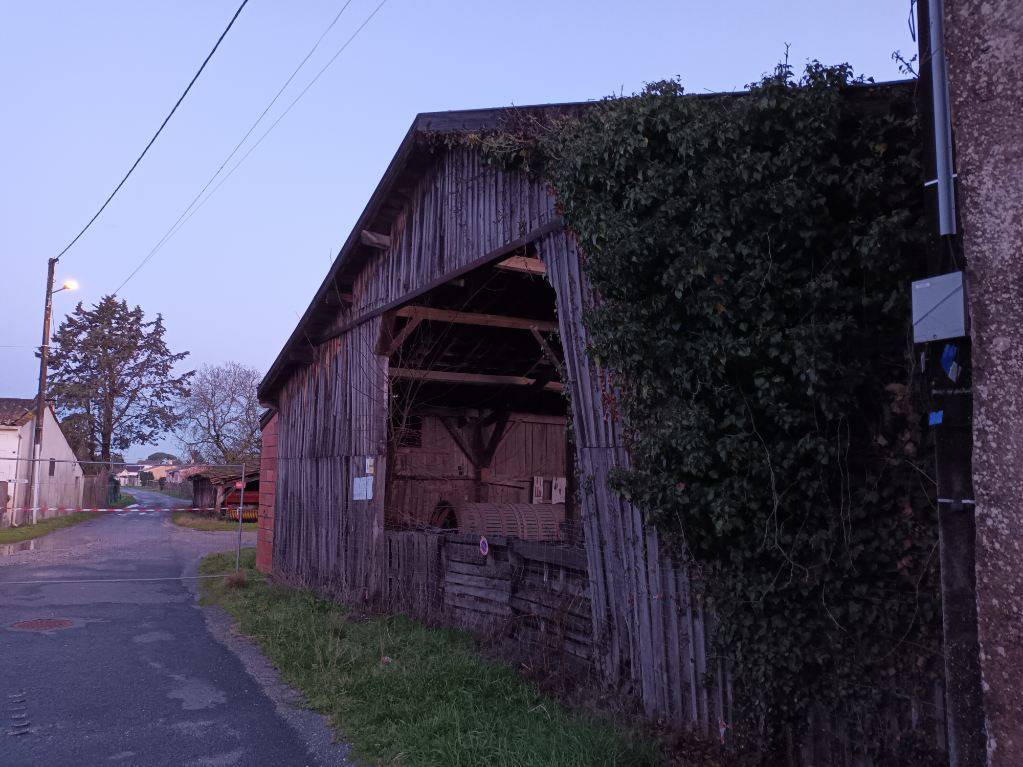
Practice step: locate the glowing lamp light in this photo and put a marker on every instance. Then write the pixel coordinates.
(70, 284)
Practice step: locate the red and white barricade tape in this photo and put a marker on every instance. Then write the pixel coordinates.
(74, 510)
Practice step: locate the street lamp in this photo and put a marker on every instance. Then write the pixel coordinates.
(44, 352)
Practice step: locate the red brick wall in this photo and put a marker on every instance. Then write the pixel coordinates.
(267, 486)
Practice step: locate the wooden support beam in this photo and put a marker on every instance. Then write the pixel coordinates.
(375, 239)
(479, 379)
(387, 334)
(452, 428)
(404, 333)
(500, 426)
(523, 264)
(474, 318)
(548, 352)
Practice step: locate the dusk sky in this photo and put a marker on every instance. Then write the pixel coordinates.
(87, 83)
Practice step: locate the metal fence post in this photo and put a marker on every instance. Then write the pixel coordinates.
(241, 502)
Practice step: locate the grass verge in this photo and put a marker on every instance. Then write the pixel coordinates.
(122, 501)
(28, 532)
(404, 694)
(206, 524)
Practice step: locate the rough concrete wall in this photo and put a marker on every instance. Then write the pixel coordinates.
(984, 40)
(267, 489)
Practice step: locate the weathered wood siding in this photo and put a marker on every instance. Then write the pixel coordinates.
(460, 211)
(331, 418)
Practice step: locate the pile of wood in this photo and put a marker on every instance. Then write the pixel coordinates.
(535, 593)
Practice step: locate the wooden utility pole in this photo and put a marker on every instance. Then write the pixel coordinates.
(44, 349)
(983, 43)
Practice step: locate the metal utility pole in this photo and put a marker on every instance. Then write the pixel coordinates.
(44, 353)
(949, 377)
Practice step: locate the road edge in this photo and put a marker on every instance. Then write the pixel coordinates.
(310, 726)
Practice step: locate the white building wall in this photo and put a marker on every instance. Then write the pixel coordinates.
(13, 470)
(60, 476)
(60, 489)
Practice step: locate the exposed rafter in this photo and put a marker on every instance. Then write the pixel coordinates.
(474, 318)
(478, 379)
(375, 239)
(522, 264)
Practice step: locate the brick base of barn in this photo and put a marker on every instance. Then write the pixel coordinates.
(267, 491)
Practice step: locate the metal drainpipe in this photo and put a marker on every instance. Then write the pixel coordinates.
(942, 118)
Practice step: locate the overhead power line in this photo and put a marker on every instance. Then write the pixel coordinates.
(193, 207)
(158, 130)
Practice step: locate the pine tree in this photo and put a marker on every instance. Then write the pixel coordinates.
(112, 378)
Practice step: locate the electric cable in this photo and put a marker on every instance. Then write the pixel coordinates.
(192, 207)
(158, 130)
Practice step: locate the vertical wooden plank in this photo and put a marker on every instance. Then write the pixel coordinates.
(700, 655)
(672, 642)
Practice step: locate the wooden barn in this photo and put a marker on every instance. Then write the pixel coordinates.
(428, 386)
(422, 405)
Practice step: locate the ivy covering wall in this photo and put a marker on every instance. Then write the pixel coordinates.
(753, 255)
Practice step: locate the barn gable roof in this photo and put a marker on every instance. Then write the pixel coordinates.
(410, 161)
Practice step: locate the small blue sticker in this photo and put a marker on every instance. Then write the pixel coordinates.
(936, 417)
(949, 356)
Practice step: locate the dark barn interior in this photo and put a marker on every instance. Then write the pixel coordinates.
(477, 412)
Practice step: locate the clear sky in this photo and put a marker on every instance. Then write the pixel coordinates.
(85, 84)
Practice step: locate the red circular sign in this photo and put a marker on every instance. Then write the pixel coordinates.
(484, 546)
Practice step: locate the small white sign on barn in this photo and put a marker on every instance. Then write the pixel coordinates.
(362, 489)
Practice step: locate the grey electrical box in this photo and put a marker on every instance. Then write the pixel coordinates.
(939, 308)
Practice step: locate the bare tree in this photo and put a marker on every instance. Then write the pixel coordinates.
(220, 417)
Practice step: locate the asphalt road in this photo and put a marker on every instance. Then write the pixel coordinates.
(140, 676)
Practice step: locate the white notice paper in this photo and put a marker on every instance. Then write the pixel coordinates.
(362, 490)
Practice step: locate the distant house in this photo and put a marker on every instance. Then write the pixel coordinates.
(159, 471)
(128, 476)
(60, 477)
(179, 474)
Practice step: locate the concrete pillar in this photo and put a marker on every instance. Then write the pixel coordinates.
(984, 44)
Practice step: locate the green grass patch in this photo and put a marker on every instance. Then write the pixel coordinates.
(28, 532)
(208, 524)
(404, 694)
(122, 501)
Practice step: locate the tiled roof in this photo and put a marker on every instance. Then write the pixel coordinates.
(15, 410)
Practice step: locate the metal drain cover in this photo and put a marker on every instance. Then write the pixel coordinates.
(43, 624)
